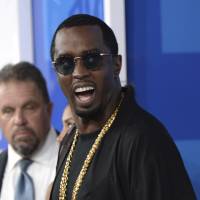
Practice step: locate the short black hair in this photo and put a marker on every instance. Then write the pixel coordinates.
(25, 71)
(85, 19)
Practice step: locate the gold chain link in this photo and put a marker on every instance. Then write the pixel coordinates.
(65, 175)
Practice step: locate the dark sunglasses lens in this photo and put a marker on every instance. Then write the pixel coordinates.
(92, 61)
(64, 65)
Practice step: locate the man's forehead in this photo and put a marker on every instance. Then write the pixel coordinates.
(86, 28)
(79, 34)
(21, 89)
(78, 40)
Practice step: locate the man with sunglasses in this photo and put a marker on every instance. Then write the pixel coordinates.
(117, 150)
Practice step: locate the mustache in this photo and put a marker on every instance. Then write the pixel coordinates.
(21, 129)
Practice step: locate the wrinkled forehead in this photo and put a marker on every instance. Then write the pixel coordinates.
(15, 90)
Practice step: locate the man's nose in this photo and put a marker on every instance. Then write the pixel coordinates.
(80, 70)
(19, 118)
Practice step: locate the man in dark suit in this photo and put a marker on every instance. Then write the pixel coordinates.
(117, 151)
(25, 120)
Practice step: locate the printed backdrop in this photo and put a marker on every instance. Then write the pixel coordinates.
(163, 59)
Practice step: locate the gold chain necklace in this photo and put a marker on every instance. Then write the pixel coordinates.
(90, 155)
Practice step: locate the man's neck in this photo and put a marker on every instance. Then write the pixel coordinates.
(94, 123)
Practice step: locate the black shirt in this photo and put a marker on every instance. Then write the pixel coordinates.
(83, 146)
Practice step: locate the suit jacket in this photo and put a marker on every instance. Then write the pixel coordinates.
(3, 161)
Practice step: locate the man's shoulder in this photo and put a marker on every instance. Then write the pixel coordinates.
(146, 126)
(140, 126)
(138, 121)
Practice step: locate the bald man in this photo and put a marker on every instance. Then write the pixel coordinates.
(67, 121)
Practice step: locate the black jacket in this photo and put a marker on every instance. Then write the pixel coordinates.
(137, 160)
(3, 161)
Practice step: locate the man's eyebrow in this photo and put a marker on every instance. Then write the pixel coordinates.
(64, 54)
(95, 50)
(91, 51)
(68, 119)
(6, 107)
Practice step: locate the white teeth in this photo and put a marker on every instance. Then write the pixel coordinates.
(83, 89)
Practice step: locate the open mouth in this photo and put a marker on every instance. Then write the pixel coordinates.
(85, 94)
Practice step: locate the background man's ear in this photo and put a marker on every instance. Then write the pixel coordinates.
(117, 64)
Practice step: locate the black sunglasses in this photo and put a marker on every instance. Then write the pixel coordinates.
(65, 64)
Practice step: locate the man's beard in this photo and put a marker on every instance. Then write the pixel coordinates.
(25, 146)
(88, 113)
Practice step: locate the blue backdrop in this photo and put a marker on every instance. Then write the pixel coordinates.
(163, 59)
(163, 56)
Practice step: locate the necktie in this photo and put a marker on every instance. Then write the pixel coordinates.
(24, 186)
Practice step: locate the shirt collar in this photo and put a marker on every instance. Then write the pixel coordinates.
(49, 150)
(13, 158)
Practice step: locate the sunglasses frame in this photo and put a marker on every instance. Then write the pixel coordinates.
(76, 58)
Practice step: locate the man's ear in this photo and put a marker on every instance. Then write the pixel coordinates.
(117, 60)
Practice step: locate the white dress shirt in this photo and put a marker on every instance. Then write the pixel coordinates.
(42, 170)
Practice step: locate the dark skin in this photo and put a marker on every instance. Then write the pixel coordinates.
(92, 108)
